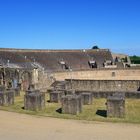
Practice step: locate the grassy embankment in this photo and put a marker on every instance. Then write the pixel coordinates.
(89, 111)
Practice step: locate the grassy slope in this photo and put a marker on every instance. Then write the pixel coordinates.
(89, 111)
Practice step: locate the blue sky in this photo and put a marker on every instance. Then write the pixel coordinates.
(71, 24)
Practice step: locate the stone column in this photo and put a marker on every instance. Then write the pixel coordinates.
(71, 104)
(116, 106)
(34, 100)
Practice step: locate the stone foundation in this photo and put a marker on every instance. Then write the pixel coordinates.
(71, 104)
(7, 98)
(34, 100)
(116, 106)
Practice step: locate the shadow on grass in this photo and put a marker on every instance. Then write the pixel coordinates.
(48, 101)
(23, 108)
(59, 110)
(102, 113)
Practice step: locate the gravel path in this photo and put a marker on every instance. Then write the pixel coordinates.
(14, 126)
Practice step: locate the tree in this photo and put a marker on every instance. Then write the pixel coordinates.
(135, 59)
(95, 47)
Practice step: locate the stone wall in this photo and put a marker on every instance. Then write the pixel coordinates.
(104, 85)
(47, 78)
(99, 74)
(105, 94)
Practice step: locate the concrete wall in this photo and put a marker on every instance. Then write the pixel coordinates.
(104, 85)
(99, 74)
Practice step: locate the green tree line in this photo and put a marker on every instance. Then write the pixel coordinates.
(135, 59)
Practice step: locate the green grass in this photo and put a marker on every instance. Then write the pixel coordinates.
(89, 111)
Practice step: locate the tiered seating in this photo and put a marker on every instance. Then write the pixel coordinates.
(49, 59)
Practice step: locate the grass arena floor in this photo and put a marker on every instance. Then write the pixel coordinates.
(89, 113)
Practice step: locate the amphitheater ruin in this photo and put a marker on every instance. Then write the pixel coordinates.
(72, 77)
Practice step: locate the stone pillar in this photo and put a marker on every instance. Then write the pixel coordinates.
(87, 98)
(55, 96)
(71, 104)
(116, 106)
(6, 97)
(34, 100)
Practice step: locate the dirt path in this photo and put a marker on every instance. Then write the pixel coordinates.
(14, 126)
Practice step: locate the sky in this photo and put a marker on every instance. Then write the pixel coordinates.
(71, 24)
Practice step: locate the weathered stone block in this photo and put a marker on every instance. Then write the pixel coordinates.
(55, 96)
(116, 106)
(34, 101)
(71, 104)
(7, 98)
(87, 98)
